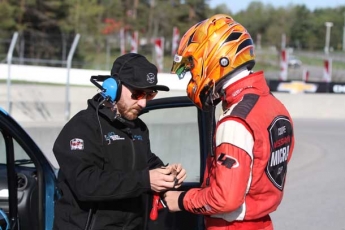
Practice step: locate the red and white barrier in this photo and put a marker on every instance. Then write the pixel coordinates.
(327, 70)
(134, 42)
(305, 76)
(122, 41)
(159, 52)
(175, 40)
(283, 65)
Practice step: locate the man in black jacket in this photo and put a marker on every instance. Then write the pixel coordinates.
(106, 164)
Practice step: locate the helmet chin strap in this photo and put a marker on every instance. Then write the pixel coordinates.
(212, 130)
(217, 91)
(214, 96)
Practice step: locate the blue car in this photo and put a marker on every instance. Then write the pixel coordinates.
(179, 132)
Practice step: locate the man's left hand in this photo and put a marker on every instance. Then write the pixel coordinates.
(171, 199)
(179, 172)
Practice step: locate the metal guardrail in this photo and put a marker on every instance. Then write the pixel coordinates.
(68, 64)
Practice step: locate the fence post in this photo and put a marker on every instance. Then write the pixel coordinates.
(69, 65)
(9, 62)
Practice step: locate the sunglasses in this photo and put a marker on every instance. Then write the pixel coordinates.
(138, 94)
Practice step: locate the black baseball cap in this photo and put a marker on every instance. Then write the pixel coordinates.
(135, 71)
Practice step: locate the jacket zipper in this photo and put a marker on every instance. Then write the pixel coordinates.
(133, 164)
(89, 223)
(129, 132)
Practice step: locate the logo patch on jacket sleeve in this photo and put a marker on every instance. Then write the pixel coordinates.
(228, 161)
(77, 144)
(281, 133)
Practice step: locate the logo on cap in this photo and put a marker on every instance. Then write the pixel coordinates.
(150, 77)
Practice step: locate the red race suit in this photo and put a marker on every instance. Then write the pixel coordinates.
(244, 180)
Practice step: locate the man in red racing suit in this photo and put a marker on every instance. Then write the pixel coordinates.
(244, 180)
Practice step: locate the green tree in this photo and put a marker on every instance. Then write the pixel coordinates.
(282, 24)
(256, 19)
(37, 23)
(7, 25)
(301, 24)
(336, 16)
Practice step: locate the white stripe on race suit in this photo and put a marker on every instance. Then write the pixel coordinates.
(235, 133)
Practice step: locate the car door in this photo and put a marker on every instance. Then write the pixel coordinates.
(27, 181)
(179, 133)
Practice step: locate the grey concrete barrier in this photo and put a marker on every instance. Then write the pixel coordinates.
(39, 103)
(40, 109)
(314, 106)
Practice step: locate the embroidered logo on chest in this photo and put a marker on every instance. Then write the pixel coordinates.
(111, 136)
(137, 137)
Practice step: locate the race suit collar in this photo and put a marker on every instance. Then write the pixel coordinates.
(253, 83)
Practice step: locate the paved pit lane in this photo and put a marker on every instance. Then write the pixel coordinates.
(314, 192)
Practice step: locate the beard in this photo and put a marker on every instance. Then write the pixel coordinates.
(127, 111)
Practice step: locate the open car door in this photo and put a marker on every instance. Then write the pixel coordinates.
(179, 133)
(27, 180)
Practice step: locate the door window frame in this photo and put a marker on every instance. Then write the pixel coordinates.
(46, 180)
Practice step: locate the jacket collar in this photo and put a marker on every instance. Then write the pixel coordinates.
(106, 112)
(94, 104)
(253, 83)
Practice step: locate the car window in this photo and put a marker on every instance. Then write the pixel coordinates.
(174, 137)
(20, 156)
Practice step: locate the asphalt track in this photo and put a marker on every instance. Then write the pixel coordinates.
(314, 193)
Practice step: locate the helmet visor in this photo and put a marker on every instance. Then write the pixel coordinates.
(182, 65)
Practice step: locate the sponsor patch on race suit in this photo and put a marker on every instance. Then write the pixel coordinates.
(281, 134)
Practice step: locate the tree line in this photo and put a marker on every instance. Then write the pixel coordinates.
(47, 27)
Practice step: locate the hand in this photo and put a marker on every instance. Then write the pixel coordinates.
(171, 200)
(179, 173)
(161, 179)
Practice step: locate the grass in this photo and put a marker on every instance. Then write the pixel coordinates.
(319, 62)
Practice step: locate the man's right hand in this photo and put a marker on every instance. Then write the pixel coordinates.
(161, 179)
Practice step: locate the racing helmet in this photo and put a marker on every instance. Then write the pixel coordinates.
(213, 51)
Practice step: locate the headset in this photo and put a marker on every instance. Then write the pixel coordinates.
(111, 86)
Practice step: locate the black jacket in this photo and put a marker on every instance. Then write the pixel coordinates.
(104, 168)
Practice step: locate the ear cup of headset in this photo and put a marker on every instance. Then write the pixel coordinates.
(112, 89)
